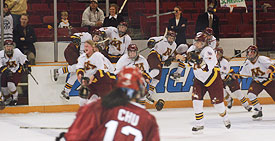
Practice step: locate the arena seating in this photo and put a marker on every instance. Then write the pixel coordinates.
(235, 24)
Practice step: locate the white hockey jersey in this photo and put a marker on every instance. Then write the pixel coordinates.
(8, 27)
(224, 67)
(84, 36)
(141, 63)
(259, 68)
(15, 61)
(95, 62)
(209, 58)
(163, 47)
(117, 45)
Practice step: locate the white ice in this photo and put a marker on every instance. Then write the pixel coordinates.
(174, 124)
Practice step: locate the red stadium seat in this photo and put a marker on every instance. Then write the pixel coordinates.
(35, 20)
(239, 10)
(61, 6)
(44, 34)
(234, 18)
(190, 31)
(48, 19)
(246, 30)
(230, 31)
(247, 18)
(223, 10)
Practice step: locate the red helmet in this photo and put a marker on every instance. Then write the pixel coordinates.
(123, 24)
(130, 77)
(219, 50)
(132, 47)
(171, 33)
(8, 42)
(208, 31)
(96, 32)
(252, 48)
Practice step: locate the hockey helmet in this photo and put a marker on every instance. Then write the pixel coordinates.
(130, 78)
(252, 52)
(122, 28)
(132, 51)
(171, 36)
(76, 40)
(8, 47)
(208, 31)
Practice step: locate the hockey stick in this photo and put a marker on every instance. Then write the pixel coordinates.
(121, 8)
(238, 54)
(32, 76)
(166, 30)
(28, 127)
(253, 77)
(162, 14)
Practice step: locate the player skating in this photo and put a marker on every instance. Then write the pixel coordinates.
(203, 60)
(162, 48)
(119, 40)
(229, 81)
(117, 116)
(262, 69)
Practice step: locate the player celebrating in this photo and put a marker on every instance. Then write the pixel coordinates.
(262, 69)
(94, 73)
(162, 49)
(203, 60)
(84, 36)
(232, 83)
(12, 60)
(119, 40)
(117, 116)
(71, 53)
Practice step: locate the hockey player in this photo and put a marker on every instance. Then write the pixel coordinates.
(8, 24)
(94, 72)
(117, 116)
(15, 61)
(203, 60)
(162, 49)
(261, 68)
(71, 53)
(211, 40)
(119, 40)
(229, 81)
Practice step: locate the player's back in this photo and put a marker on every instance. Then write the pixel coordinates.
(130, 122)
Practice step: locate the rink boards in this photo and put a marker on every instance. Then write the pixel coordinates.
(45, 97)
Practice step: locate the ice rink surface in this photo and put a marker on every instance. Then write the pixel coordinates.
(174, 124)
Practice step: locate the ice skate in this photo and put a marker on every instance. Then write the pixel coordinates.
(175, 76)
(197, 129)
(159, 105)
(2, 105)
(258, 114)
(230, 103)
(13, 102)
(8, 101)
(55, 74)
(227, 123)
(64, 95)
(248, 108)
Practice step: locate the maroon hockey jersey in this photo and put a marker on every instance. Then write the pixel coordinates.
(122, 123)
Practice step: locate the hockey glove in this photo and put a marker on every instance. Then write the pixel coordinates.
(27, 67)
(194, 57)
(151, 43)
(168, 62)
(84, 90)
(228, 80)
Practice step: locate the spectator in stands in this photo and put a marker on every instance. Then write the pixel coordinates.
(92, 15)
(64, 22)
(8, 24)
(209, 19)
(178, 24)
(17, 8)
(24, 37)
(114, 19)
